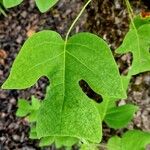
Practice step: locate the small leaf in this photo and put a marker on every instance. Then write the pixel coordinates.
(119, 117)
(24, 108)
(32, 117)
(114, 143)
(141, 140)
(139, 21)
(139, 46)
(33, 133)
(11, 3)
(131, 140)
(46, 141)
(35, 104)
(45, 5)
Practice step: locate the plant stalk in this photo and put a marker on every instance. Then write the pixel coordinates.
(130, 12)
(76, 19)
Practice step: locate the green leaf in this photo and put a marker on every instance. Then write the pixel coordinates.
(137, 41)
(131, 140)
(106, 104)
(125, 81)
(119, 117)
(109, 103)
(89, 147)
(45, 5)
(32, 117)
(33, 133)
(65, 141)
(67, 111)
(59, 141)
(11, 3)
(35, 103)
(114, 143)
(139, 21)
(46, 141)
(24, 108)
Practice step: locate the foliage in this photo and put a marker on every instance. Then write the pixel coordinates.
(2, 10)
(67, 115)
(27, 109)
(134, 139)
(11, 3)
(67, 111)
(43, 5)
(137, 41)
(119, 117)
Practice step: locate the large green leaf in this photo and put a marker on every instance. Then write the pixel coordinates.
(45, 5)
(11, 3)
(131, 140)
(137, 41)
(119, 117)
(67, 111)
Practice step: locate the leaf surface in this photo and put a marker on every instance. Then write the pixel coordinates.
(67, 111)
(45, 5)
(137, 41)
(135, 140)
(119, 117)
(11, 3)
(110, 103)
(25, 109)
(114, 143)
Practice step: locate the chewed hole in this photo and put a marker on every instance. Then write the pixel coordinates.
(89, 92)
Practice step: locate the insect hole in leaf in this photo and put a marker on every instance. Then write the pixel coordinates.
(89, 92)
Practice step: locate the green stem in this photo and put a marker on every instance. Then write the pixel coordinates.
(76, 19)
(3, 12)
(130, 12)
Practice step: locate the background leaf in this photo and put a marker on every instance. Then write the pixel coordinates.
(114, 143)
(119, 117)
(24, 108)
(131, 140)
(139, 46)
(27, 109)
(139, 21)
(45, 5)
(11, 3)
